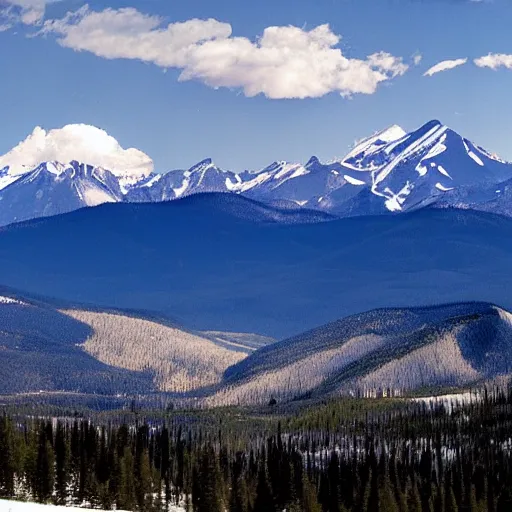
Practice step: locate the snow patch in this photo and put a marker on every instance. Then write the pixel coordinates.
(476, 158)
(21, 506)
(6, 179)
(369, 144)
(394, 201)
(155, 179)
(442, 170)
(422, 169)
(179, 191)
(285, 169)
(260, 178)
(9, 300)
(353, 181)
(443, 188)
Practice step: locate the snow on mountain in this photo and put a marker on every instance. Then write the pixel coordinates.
(362, 156)
(415, 170)
(61, 170)
(390, 172)
(202, 177)
(53, 188)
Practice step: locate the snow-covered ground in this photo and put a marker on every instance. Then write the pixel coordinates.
(20, 506)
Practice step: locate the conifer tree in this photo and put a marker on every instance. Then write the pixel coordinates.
(61, 465)
(7, 458)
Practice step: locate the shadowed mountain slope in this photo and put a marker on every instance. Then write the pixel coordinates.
(45, 349)
(205, 262)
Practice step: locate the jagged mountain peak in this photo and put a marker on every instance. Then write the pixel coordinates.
(202, 165)
(312, 162)
(391, 171)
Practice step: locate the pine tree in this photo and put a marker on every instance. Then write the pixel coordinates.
(61, 465)
(264, 501)
(210, 498)
(7, 458)
(126, 498)
(45, 469)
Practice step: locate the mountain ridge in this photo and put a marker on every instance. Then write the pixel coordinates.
(389, 172)
(392, 351)
(223, 271)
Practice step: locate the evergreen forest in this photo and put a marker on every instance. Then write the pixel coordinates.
(338, 456)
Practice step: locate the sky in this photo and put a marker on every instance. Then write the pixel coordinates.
(248, 83)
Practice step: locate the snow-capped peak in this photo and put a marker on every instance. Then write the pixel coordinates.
(203, 165)
(80, 142)
(358, 156)
(392, 133)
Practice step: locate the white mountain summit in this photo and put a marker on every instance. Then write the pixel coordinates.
(392, 171)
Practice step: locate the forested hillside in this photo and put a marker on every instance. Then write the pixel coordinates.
(45, 349)
(339, 457)
(391, 352)
(178, 360)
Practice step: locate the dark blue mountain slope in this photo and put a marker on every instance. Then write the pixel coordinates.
(203, 261)
(39, 351)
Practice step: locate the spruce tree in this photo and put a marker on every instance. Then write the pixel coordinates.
(61, 465)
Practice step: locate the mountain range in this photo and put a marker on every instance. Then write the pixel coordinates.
(389, 172)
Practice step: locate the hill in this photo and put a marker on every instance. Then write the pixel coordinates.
(386, 351)
(45, 349)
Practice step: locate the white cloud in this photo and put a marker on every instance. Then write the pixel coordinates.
(417, 58)
(445, 65)
(76, 142)
(494, 61)
(28, 12)
(285, 62)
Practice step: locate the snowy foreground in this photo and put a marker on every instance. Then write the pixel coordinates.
(20, 506)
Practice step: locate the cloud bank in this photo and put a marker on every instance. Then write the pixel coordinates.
(494, 61)
(76, 142)
(285, 62)
(445, 65)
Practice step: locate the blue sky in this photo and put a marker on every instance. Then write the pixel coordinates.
(253, 122)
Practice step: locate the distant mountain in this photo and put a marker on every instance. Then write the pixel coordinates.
(390, 351)
(205, 262)
(53, 188)
(389, 172)
(416, 170)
